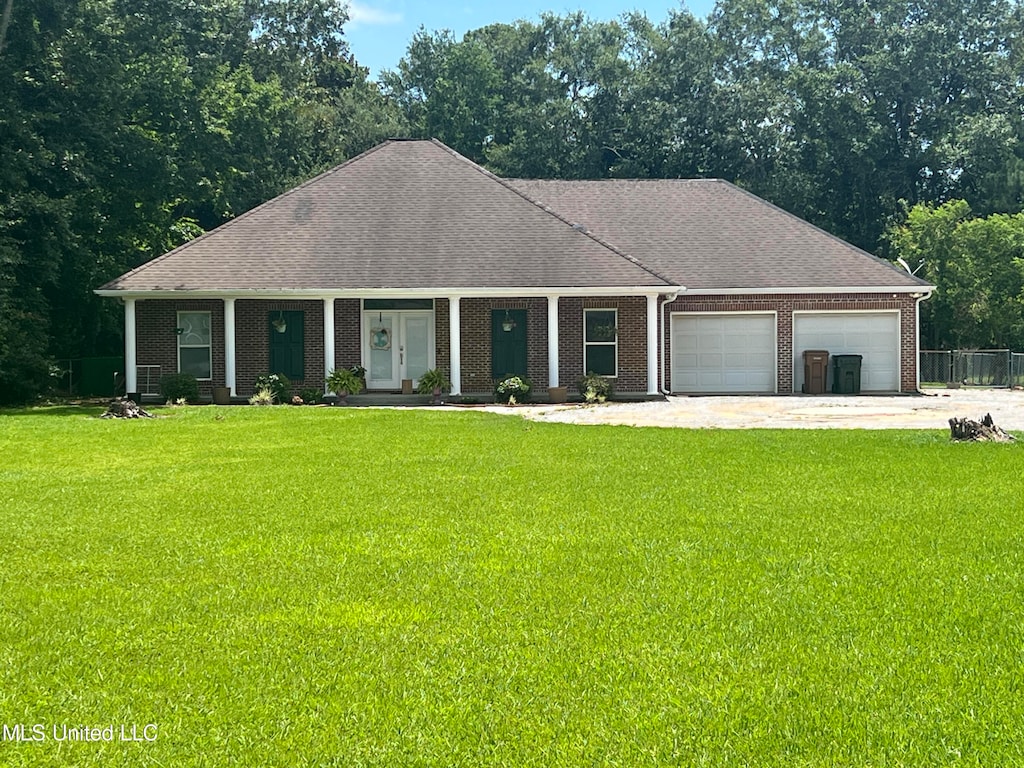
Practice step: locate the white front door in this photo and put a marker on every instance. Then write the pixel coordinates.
(397, 344)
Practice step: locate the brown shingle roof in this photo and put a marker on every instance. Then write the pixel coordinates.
(406, 214)
(709, 234)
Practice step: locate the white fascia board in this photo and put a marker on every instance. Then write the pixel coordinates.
(911, 289)
(391, 293)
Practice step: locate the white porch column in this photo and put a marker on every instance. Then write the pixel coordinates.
(131, 382)
(328, 339)
(652, 344)
(552, 341)
(455, 343)
(229, 345)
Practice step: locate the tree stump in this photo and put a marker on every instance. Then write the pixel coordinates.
(123, 408)
(961, 430)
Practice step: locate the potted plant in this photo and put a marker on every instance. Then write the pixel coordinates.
(343, 382)
(433, 382)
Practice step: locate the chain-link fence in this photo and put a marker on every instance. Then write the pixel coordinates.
(936, 367)
(1016, 369)
(972, 367)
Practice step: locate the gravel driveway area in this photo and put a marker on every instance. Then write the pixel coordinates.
(927, 411)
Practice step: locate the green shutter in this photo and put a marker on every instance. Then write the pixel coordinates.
(288, 349)
(508, 348)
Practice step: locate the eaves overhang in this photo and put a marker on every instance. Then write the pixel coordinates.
(357, 293)
(804, 290)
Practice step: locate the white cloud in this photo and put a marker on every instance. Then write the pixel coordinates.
(359, 14)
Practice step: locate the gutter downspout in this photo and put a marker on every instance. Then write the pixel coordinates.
(917, 338)
(669, 298)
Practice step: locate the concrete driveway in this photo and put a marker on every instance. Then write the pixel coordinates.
(928, 411)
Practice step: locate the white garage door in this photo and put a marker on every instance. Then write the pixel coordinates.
(873, 335)
(723, 352)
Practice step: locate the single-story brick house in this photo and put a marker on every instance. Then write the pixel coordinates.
(410, 257)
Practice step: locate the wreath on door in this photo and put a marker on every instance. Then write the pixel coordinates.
(380, 338)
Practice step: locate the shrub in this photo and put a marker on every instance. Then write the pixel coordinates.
(277, 384)
(310, 395)
(596, 389)
(178, 386)
(512, 388)
(262, 397)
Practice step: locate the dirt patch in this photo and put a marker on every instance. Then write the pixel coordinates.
(932, 410)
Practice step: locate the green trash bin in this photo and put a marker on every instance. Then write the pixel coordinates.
(846, 374)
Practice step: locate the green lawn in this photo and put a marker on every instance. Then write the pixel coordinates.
(346, 587)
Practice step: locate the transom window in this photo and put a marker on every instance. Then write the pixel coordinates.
(381, 304)
(600, 342)
(194, 355)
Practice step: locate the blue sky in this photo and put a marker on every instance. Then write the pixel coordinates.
(379, 31)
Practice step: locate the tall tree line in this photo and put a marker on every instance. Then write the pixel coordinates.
(129, 126)
(841, 112)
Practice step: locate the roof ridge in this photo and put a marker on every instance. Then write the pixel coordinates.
(245, 214)
(678, 179)
(582, 229)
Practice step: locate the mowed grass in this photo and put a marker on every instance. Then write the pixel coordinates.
(348, 587)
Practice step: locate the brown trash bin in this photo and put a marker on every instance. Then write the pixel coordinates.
(815, 372)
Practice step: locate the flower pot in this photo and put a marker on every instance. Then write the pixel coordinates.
(557, 394)
(437, 395)
(221, 396)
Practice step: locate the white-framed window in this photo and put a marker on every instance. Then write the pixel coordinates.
(194, 347)
(601, 342)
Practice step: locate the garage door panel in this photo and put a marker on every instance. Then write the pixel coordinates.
(873, 335)
(734, 353)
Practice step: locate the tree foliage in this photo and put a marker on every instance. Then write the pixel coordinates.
(128, 127)
(977, 265)
(839, 112)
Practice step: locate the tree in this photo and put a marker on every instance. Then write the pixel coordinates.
(977, 266)
(129, 126)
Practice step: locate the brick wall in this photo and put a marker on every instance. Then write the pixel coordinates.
(784, 305)
(156, 321)
(632, 337)
(346, 333)
(252, 341)
(476, 340)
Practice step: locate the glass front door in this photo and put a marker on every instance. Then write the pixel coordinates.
(398, 344)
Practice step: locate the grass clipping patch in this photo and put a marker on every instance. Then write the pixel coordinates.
(963, 430)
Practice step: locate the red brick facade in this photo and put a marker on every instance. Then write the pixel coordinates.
(157, 340)
(784, 305)
(156, 323)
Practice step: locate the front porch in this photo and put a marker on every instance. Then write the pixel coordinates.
(476, 339)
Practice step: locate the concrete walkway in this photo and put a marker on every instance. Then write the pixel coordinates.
(928, 411)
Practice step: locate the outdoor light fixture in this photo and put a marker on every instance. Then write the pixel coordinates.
(280, 325)
(508, 323)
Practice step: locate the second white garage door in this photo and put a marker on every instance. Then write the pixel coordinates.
(723, 352)
(873, 335)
